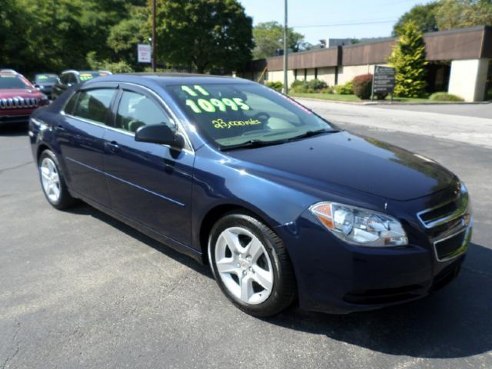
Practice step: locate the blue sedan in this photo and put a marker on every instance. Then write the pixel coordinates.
(283, 205)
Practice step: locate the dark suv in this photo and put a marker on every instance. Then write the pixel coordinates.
(71, 77)
(45, 82)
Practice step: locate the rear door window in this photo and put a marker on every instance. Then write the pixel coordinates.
(93, 105)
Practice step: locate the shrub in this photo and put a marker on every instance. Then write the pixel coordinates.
(114, 67)
(277, 86)
(327, 90)
(298, 86)
(444, 96)
(316, 85)
(380, 95)
(312, 86)
(345, 89)
(362, 86)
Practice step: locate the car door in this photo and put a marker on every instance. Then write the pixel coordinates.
(148, 183)
(81, 141)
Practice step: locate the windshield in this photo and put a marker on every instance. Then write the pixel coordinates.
(238, 115)
(12, 81)
(45, 78)
(85, 76)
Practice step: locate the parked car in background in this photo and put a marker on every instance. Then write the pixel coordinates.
(72, 77)
(45, 82)
(18, 97)
(281, 203)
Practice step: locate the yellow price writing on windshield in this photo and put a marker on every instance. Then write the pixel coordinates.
(203, 103)
(212, 105)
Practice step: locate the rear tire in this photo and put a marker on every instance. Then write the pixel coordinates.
(251, 265)
(53, 182)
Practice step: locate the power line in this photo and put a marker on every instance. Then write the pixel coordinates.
(347, 24)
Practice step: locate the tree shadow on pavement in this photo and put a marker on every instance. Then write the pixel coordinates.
(452, 323)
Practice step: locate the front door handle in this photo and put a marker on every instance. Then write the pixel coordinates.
(112, 146)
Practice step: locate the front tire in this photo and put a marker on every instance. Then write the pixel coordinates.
(251, 265)
(52, 181)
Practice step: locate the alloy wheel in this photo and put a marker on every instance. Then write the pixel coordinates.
(244, 265)
(50, 179)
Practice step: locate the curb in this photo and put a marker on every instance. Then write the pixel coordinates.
(394, 102)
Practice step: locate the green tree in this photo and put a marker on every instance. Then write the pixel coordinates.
(51, 35)
(115, 67)
(12, 18)
(268, 38)
(408, 58)
(54, 36)
(424, 16)
(127, 34)
(204, 35)
(463, 13)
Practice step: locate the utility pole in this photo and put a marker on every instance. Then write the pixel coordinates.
(286, 56)
(154, 38)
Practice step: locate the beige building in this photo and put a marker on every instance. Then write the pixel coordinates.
(460, 62)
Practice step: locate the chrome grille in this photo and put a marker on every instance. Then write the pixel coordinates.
(445, 212)
(19, 102)
(452, 246)
(449, 225)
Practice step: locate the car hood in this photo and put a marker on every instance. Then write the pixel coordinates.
(15, 92)
(348, 162)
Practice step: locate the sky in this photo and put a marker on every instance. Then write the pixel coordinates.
(324, 19)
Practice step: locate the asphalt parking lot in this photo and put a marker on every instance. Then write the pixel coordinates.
(81, 290)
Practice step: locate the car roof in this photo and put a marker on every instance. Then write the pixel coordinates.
(169, 78)
(9, 73)
(83, 71)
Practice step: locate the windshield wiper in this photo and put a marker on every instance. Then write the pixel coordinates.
(259, 143)
(313, 133)
(250, 144)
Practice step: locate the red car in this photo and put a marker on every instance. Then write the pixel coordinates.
(18, 97)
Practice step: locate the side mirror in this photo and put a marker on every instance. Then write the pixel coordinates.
(159, 134)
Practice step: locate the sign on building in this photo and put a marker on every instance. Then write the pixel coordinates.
(144, 53)
(383, 81)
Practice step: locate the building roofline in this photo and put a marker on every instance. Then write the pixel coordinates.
(457, 30)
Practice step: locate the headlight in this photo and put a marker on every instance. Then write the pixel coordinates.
(360, 226)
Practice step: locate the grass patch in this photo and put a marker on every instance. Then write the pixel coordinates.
(332, 97)
(444, 96)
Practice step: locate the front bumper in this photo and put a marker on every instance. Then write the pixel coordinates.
(339, 278)
(14, 119)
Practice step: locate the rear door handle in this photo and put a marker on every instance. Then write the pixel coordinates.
(112, 146)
